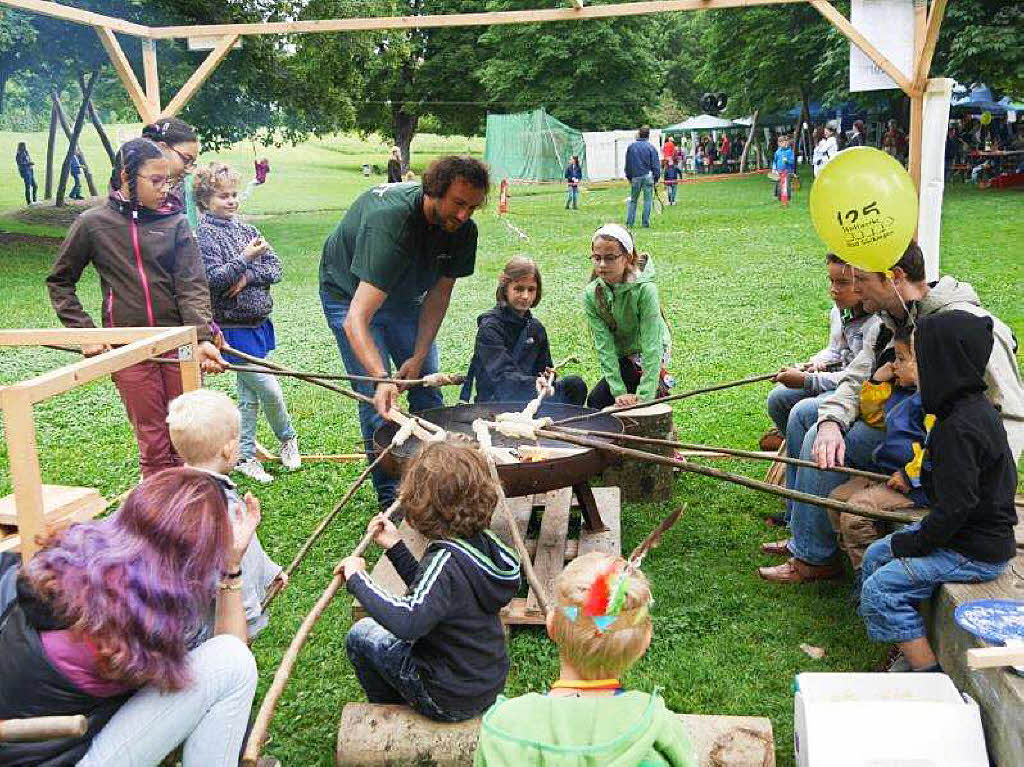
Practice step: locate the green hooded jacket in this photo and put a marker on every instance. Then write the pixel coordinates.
(629, 730)
(635, 313)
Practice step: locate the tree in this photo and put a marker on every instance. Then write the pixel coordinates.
(593, 75)
(17, 38)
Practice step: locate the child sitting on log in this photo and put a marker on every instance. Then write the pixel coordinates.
(512, 351)
(624, 313)
(204, 427)
(821, 373)
(970, 477)
(900, 454)
(440, 648)
(240, 267)
(602, 628)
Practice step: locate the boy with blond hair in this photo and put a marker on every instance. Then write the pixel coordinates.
(602, 627)
(204, 426)
(441, 647)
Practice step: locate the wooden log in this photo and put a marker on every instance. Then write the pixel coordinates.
(42, 728)
(51, 141)
(643, 480)
(371, 734)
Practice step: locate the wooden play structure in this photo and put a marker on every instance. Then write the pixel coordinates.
(35, 509)
(221, 38)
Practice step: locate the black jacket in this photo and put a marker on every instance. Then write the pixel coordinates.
(450, 614)
(30, 686)
(969, 472)
(503, 372)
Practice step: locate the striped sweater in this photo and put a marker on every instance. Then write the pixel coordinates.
(450, 615)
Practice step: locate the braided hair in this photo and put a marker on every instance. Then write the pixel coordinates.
(130, 158)
(170, 131)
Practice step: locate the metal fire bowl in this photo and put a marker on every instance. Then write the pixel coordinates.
(524, 478)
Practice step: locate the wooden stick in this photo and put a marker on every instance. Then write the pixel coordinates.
(308, 378)
(827, 503)
(258, 735)
(435, 381)
(756, 455)
(995, 657)
(43, 728)
(672, 397)
(275, 588)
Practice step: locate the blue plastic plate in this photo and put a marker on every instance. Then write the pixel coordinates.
(994, 620)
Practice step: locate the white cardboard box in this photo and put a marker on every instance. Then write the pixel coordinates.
(885, 720)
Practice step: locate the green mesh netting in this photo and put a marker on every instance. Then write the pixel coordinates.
(531, 146)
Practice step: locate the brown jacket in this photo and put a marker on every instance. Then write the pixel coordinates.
(164, 285)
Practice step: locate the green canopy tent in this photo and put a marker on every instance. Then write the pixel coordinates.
(531, 146)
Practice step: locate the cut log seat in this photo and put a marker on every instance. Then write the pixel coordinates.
(395, 735)
(998, 691)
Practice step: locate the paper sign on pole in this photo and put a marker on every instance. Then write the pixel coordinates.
(889, 26)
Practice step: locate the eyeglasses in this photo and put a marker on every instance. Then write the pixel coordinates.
(607, 260)
(159, 182)
(188, 160)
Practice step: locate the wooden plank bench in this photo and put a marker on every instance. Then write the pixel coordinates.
(998, 691)
(395, 735)
(62, 505)
(550, 549)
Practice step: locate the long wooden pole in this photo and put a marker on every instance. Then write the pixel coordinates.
(275, 589)
(261, 725)
(76, 131)
(756, 455)
(753, 484)
(43, 728)
(672, 397)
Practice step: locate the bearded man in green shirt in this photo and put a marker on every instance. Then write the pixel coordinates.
(386, 277)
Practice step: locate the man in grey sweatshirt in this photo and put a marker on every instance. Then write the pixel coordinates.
(840, 438)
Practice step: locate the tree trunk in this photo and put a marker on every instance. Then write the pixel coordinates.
(404, 129)
(95, 119)
(63, 120)
(76, 131)
(50, 142)
(746, 146)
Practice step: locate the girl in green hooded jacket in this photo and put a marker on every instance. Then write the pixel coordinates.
(626, 321)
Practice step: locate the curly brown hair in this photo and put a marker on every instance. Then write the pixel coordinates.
(211, 178)
(440, 174)
(447, 492)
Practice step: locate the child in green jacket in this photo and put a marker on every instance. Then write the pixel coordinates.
(602, 627)
(626, 322)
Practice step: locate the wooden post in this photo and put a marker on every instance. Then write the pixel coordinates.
(63, 121)
(76, 131)
(94, 118)
(643, 480)
(152, 74)
(750, 137)
(124, 71)
(917, 97)
(191, 375)
(210, 63)
(20, 431)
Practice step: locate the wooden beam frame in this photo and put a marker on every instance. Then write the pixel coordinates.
(152, 74)
(927, 49)
(78, 16)
(124, 71)
(18, 400)
(200, 76)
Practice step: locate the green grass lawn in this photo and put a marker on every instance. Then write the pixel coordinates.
(743, 284)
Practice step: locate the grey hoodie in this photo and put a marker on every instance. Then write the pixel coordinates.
(1002, 375)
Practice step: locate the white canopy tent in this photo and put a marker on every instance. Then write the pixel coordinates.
(606, 152)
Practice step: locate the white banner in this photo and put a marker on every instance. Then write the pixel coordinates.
(889, 26)
(933, 145)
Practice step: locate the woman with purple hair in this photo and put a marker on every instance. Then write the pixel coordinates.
(101, 622)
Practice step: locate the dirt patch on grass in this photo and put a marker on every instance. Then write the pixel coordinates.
(11, 239)
(46, 213)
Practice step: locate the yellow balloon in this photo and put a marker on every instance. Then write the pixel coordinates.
(864, 207)
(986, 118)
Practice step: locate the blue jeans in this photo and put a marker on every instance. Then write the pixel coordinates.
(781, 400)
(386, 670)
(894, 587)
(394, 332)
(813, 540)
(572, 196)
(645, 184)
(255, 389)
(673, 188)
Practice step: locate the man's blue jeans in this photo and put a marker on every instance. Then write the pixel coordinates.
(644, 184)
(894, 587)
(781, 400)
(394, 330)
(572, 196)
(385, 668)
(813, 540)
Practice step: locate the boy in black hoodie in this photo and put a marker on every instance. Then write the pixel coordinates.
(440, 648)
(969, 476)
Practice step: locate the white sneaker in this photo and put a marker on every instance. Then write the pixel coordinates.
(290, 457)
(253, 469)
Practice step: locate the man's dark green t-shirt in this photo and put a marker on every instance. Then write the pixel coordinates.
(386, 240)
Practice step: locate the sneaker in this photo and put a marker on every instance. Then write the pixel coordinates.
(253, 469)
(290, 457)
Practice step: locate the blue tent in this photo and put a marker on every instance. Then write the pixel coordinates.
(1007, 103)
(979, 99)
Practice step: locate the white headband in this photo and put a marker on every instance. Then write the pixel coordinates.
(615, 232)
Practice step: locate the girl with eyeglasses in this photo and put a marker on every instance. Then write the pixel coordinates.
(151, 275)
(180, 145)
(629, 330)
